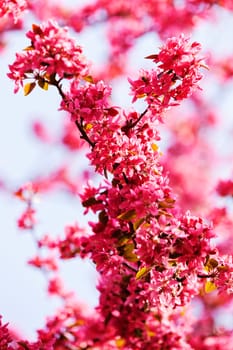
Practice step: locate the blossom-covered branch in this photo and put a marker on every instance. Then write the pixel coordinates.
(152, 257)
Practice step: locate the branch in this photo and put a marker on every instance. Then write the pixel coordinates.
(83, 133)
(130, 124)
(57, 84)
(207, 276)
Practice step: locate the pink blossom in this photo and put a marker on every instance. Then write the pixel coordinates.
(27, 219)
(52, 55)
(152, 256)
(49, 264)
(176, 77)
(13, 8)
(225, 188)
(5, 338)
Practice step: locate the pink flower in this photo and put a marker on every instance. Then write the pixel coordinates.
(13, 8)
(87, 102)
(225, 188)
(175, 78)
(27, 220)
(5, 338)
(48, 264)
(51, 56)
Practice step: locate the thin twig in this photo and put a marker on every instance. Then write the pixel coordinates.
(129, 124)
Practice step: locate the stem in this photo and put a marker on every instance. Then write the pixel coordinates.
(60, 91)
(83, 134)
(130, 267)
(207, 276)
(57, 84)
(129, 124)
(140, 117)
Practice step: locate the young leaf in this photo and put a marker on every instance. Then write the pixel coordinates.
(138, 223)
(142, 272)
(120, 342)
(210, 286)
(127, 215)
(152, 57)
(154, 147)
(129, 253)
(36, 29)
(89, 79)
(28, 88)
(43, 84)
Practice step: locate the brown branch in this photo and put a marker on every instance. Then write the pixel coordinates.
(83, 134)
(57, 84)
(130, 124)
(207, 276)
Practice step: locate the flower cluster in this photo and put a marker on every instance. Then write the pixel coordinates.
(51, 56)
(176, 77)
(152, 257)
(26, 193)
(13, 8)
(5, 338)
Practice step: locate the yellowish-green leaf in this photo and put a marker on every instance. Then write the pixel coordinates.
(128, 248)
(28, 88)
(129, 253)
(163, 212)
(142, 272)
(167, 203)
(210, 286)
(138, 223)
(123, 240)
(127, 215)
(43, 84)
(131, 257)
